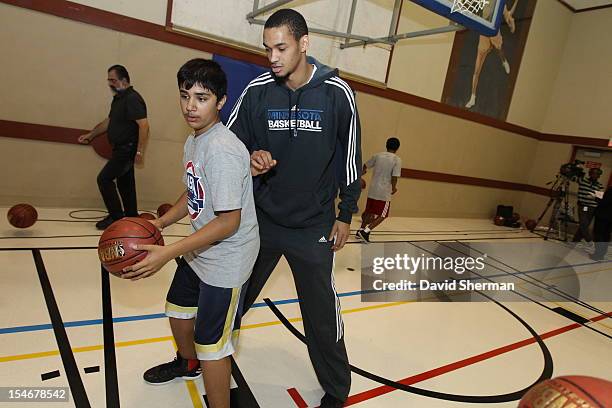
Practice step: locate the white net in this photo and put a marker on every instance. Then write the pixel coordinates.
(468, 6)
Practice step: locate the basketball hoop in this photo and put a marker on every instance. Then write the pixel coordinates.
(468, 6)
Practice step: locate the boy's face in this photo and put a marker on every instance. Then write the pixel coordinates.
(200, 107)
(283, 50)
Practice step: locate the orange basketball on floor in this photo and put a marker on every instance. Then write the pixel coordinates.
(162, 209)
(498, 220)
(569, 391)
(147, 216)
(530, 224)
(115, 248)
(22, 215)
(363, 184)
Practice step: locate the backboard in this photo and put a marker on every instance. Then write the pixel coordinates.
(485, 19)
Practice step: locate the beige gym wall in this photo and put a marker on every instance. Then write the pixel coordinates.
(55, 74)
(580, 102)
(72, 73)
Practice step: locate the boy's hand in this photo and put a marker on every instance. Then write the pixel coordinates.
(340, 232)
(158, 256)
(158, 223)
(393, 190)
(261, 162)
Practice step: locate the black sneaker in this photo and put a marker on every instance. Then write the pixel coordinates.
(177, 368)
(329, 401)
(361, 234)
(105, 223)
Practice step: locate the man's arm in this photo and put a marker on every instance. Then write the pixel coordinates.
(143, 138)
(349, 135)
(95, 132)
(240, 123)
(394, 184)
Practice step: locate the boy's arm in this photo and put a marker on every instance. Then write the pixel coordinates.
(222, 226)
(174, 214)
(396, 174)
(227, 174)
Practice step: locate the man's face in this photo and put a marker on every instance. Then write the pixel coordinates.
(283, 50)
(594, 174)
(200, 107)
(114, 83)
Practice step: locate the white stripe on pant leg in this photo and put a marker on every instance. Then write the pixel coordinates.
(339, 322)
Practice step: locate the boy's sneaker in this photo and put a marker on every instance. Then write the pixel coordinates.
(361, 234)
(177, 368)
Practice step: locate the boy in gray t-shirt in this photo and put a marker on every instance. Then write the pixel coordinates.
(204, 302)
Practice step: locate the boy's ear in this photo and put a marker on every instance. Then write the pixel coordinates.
(221, 102)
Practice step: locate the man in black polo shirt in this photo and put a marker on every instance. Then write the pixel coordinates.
(128, 131)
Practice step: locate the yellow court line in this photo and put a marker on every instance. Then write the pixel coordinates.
(170, 338)
(244, 327)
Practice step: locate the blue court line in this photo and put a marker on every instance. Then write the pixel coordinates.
(93, 322)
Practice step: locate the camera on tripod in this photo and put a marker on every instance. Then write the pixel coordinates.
(572, 170)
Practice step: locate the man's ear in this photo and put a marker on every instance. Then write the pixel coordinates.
(304, 43)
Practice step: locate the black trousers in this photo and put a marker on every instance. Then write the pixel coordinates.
(601, 233)
(311, 261)
(584, 217)
(121, 168)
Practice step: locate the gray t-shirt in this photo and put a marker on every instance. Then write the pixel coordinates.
(386, 165)
(218, 178)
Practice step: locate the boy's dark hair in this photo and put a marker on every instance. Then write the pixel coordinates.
(393, 143)
(121, 72)
(206, 73)
(290, 18)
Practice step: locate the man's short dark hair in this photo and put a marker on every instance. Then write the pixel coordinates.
(393, 143)
(121, 72)
(290, 18)
(206, 73)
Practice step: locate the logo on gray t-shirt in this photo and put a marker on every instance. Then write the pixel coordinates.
(218, 178)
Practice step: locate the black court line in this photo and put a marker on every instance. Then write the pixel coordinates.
(545, 286)
(432, 240)
(570, 315)
(488, 278)
(110, 361)
(75, 382)
(94, 369)
(546, 373)
(49, 375)
(243, 395)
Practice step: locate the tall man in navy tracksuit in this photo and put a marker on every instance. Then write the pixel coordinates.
(300, 123)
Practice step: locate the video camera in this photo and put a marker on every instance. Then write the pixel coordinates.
(572, 170)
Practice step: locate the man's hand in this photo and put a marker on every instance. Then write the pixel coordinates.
(340, 232)
(261, 162)
(85, 139)
(158, 256)
(393, 190)
(139, 158)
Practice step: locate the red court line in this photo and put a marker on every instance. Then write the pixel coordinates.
(297, 398)
(378, 391)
